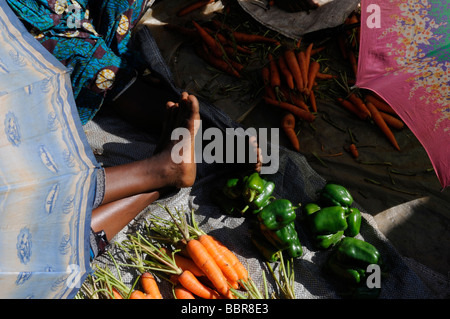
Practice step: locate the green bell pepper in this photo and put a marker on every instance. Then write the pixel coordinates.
(263, 199)
(253, 186)
(310, 209)
(229, 206)
(232, 188)
(353, 222)
(326, 241)
(355, 251)
(335, 195)
(277, 214)
(345, 273)
(328, 220)
(265, 248)
(284, 238)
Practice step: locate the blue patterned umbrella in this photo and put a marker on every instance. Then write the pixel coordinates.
(47, 172)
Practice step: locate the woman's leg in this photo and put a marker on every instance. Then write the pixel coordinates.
(159, 171)
(129, 188)
(114, 216)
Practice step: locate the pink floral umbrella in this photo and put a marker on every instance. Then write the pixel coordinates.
(405, 58)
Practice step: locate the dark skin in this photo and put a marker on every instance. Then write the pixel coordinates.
(129, 188)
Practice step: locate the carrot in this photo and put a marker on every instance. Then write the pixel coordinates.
(116, 294)
(301, 58)
(193, 6)
(268, 91)
(324, 76)
(217, 63)
(308, 55)
(293, 98)
(191, 283)
(353, 150)
(251, 38)
(288, 125)
(352, 108)
(223, 263)
(312, 99)
(380, 104)
(137, 294)
(353, 61)
(150, 286)
(392, 121)
(286, 73)
(317, 50)
(379, 121)
(206, 263)
(292, 63)
(300, 113)
(190, 32)
(182, 293)
(235, 262)
(359, 103)
(209, 40)
(188, 264)
(313, 69)
(275, 80)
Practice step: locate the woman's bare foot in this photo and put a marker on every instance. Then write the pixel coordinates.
(178, 155)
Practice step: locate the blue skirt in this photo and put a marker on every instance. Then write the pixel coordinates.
(91, 38)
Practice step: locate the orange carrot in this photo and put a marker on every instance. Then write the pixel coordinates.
(293, 98)
(137, 294)
(379, 121)
(182, 293)
(116, 294)
(223, 263)
(312, 99)
(206, 263)
(193, 6)
(324, 76)
(308, 55)
(150, 286)
(217, 62)
(292, 63)
(359, 103)
(288, 125)
(188, 264)
(191, 283)
(275, 80)
(352, 108)
(353, 61)
(300, 113)
(268, 90)
(301, 58)
(251, 38)
(380, 104)
(317, 50)
(313, 69)
(392, 121)
(235, 262)
(286, 73)
(209, 40)
(353, 150)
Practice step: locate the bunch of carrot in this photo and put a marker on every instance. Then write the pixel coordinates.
(221, 46)
(289, 81)
(199, 267)
(193, 6)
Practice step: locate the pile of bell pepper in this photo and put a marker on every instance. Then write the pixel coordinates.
(333, 217)
(272, 220)
(333, 223)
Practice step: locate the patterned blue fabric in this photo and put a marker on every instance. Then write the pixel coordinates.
(47, 171)
(90, 37)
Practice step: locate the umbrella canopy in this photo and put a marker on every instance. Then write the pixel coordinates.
(405, 58)
(47, 172)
